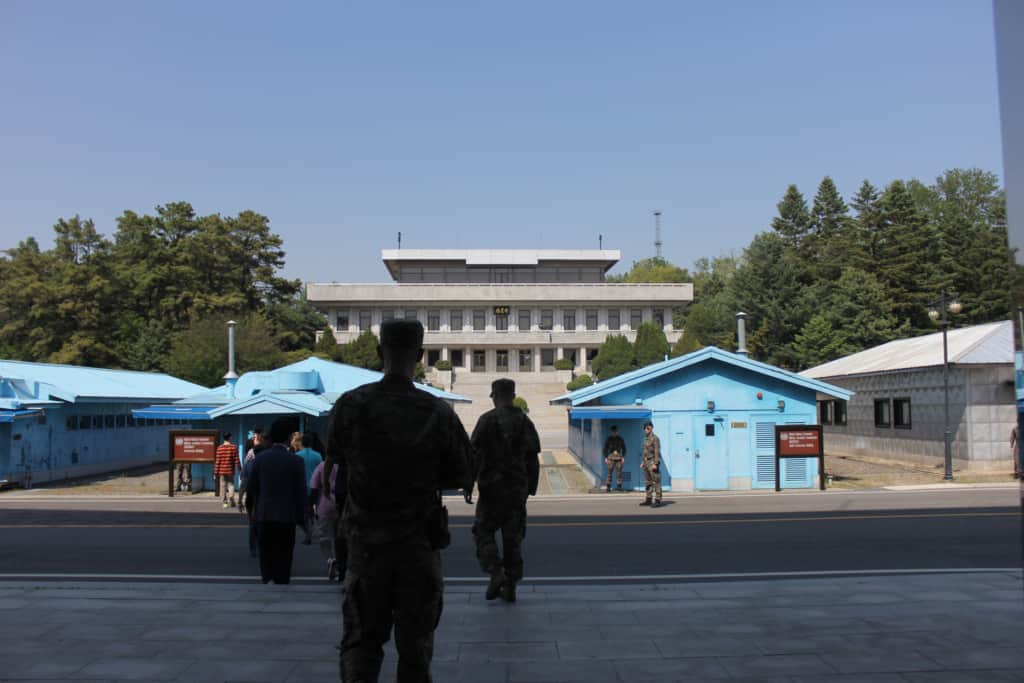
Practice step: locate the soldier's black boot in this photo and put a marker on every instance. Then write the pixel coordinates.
(646, 502)
(494, 585)
(508, 591)
(608, 488)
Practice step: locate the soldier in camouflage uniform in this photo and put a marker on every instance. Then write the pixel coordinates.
(614, 457)
(505, 447)
(650, 462)
(399, 446)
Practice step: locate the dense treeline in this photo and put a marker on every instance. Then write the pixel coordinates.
(829, 278)
(156, 296)
(832, 277)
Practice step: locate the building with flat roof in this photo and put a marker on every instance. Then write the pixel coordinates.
(502, 310)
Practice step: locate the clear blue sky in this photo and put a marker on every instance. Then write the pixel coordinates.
(481, 124)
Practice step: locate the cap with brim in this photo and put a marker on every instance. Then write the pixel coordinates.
(503, 387)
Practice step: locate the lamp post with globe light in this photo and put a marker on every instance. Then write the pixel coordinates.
(937, 312)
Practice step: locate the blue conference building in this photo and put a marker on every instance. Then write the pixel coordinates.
(715, 414)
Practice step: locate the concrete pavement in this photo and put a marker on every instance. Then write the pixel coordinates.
(936, 627)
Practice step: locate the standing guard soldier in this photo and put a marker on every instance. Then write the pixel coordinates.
(650, 462)
(614, 456)
(399, 446)
(506, 469)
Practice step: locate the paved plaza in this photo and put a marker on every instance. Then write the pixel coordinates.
(933, 627)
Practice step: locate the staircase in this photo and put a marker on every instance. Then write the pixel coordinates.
(536, 388)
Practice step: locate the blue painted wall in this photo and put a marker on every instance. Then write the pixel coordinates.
(81, 438)
(736, 440)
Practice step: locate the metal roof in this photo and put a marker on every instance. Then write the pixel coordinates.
(991, 343)
(308, 387)
(708, 353)
(31, 383)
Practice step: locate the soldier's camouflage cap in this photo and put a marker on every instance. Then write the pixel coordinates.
(503, 387)
(401, 334)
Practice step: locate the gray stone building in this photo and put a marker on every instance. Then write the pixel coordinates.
(502, 310)
(898, 407)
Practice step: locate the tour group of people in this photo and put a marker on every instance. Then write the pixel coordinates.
(281, 491)
(373, 492)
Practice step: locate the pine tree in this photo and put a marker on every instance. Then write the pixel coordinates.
(327, 345)
(614, 357)
(362, 351)
(793, 222)
(829, 224)
(651, 345)
(908, 266)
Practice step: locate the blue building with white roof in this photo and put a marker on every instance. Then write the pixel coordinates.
(61, 421)
(715, 414)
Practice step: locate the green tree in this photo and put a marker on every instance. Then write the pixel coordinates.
(614, 357)
(654, 269)
(687, 343)
(794, 221)
(830, 221)
(579, 382)
(327, 347)
(908, 264)
(817, 342)
(651, 345)
(199, 353)
(362, 351)
(771, 287)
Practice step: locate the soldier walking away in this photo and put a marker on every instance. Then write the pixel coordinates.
(506, 469)
(399, 446)
(650, 462)
(614, 456)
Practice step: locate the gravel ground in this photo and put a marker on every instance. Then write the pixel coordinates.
(866, 472)
(847, 472)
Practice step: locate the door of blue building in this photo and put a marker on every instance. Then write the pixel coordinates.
(711, 455)
(711, 452)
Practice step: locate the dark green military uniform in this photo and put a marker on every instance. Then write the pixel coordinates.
(399, 445)
(505, 447)
(650, 462)
(614, 456)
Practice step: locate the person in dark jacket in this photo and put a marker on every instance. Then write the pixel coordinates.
(276, 502)
(399, 446)
(505, 447)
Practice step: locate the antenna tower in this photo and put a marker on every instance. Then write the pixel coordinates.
(657, 234)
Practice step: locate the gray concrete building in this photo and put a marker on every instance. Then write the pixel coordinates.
(502, 310)
(898, 409)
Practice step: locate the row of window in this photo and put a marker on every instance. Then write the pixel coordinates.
(478, 358)
(115, 422)
(460, 274)
(478, 319)
(894, 412)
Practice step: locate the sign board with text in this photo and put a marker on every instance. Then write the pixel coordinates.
(799, 441)
(189, 446)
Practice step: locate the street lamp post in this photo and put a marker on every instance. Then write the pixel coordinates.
(937, 312)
